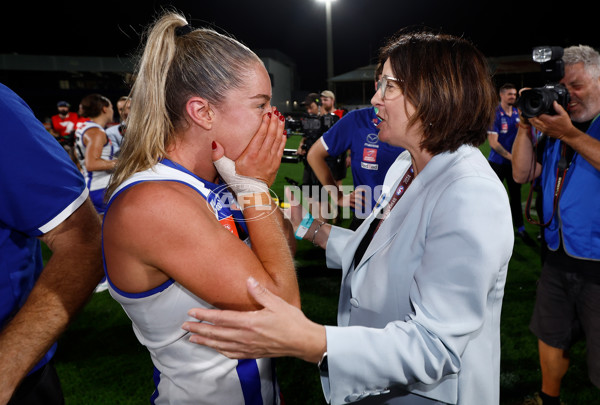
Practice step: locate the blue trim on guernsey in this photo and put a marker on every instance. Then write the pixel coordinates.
(211, 186)
(148, 293)
(156, 380)
(143, 294)
(112, 150)
(88, 183)
(216, 189)
(247, 370)
(249, 376)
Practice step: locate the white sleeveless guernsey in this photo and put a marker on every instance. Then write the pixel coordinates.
(98, 179)
(184, 372)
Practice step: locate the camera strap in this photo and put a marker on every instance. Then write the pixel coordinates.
(561, 172)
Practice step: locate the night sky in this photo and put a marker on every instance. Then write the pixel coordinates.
(295, 27)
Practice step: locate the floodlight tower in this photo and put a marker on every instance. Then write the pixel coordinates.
(329, 40)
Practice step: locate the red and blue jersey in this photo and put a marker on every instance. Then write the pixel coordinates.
(65, 127)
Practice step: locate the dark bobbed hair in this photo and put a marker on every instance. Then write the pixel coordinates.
(448, 82)
(91, 105)
(379, 69)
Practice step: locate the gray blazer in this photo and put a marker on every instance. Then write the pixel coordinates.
(419, 316)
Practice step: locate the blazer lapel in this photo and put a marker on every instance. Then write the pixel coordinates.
(391, 225)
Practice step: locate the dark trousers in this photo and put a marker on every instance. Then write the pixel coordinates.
(504, 172)
(39, 388)
(309, 178)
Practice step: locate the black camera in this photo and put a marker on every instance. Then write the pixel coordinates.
(313, 126)
(539, 100)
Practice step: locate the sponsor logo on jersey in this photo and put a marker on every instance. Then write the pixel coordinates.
(369, 155)
(372, 138)
(229, 224)
(369, 166)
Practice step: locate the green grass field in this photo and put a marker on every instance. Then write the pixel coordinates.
(100, 361)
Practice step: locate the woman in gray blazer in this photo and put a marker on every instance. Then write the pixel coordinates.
(423, 276)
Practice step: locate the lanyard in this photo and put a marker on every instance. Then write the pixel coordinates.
(561, 173)
(366, 240)
(406, 180)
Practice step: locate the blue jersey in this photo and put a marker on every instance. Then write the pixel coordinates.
(506, 127)
(40, 187)
(576, 220)
(370, 157)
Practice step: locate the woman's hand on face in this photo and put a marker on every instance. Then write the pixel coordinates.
(262, 156)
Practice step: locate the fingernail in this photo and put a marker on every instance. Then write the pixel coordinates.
(281, 118)
(252, 281)
(214, 145)
(269, 114)
(285, 131)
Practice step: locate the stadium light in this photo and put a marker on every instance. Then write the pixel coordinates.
(329, 40)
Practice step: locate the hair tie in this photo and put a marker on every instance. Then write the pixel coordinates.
(183, 30)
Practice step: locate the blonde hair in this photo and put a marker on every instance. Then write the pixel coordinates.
(176, 65)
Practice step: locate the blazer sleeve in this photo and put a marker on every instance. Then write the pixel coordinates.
(336, 244)
(467, 245)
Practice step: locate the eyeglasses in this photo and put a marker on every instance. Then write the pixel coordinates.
(383, 83)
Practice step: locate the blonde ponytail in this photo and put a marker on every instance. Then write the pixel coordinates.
(173, 68)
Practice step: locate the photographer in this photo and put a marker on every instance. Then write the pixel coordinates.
(314, 124)
(568, 295)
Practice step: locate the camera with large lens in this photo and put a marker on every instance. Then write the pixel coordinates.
(313, 126)
(539, 100)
